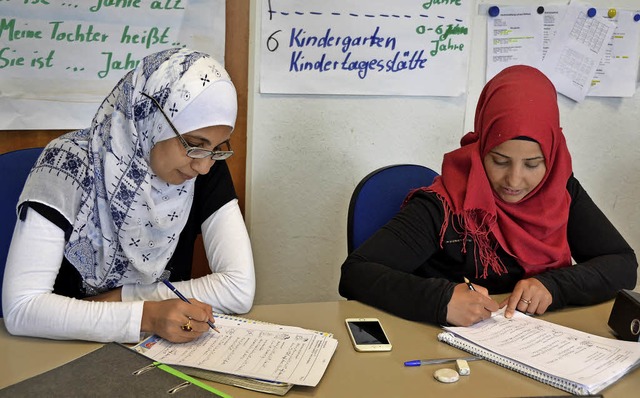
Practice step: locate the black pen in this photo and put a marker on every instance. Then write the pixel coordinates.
(186, 300)
(469, 284)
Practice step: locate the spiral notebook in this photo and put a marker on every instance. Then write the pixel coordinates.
(565, 358)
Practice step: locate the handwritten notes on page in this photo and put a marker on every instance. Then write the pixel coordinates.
(377, 47)
(75, 52)
(566, 358)
(254, 349)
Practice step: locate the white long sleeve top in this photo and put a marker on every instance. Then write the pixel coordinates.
(35, 255)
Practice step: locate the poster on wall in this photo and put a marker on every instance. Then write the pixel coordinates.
(377, 47)
(59, 59)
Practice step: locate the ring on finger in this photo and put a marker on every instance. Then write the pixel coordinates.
(187, 326)
(525, 301)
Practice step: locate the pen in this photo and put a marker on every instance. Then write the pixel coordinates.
(186, 300)
(420, 362)
(469, 284)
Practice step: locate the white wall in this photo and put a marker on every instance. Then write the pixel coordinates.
(307, 153)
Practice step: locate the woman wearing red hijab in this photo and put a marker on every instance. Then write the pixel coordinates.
(507, 213)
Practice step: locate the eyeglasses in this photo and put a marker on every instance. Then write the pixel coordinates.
(195, 152)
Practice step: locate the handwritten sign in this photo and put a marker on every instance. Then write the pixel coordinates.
(77, 50)
(402, 47)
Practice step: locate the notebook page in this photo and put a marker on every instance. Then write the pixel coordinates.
(584, 358)
(253, 349)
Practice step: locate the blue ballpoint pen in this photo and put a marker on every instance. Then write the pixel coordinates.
(420, 362)
(186, 300)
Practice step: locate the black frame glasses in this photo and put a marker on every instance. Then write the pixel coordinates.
(192, 151)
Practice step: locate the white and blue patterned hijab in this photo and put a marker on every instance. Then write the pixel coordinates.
(126, 221)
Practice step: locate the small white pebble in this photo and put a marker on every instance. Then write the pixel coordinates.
(446, 375)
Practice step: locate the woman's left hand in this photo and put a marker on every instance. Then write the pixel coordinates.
(529, 296)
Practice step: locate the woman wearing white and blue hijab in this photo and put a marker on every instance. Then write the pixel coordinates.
(111, 211)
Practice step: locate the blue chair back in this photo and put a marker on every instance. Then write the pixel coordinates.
(15, 167)
(378, 197)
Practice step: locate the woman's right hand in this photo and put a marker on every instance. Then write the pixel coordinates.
(467, 307)
(166, 319)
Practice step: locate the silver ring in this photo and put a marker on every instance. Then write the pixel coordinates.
(525, 301)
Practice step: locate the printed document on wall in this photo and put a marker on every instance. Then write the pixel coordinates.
(579, 44)
(514, 37)
(617, 72)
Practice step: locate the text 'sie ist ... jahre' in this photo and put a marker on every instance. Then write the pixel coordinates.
(61, 31)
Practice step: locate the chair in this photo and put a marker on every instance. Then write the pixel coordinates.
(15, 168)
(378, 197)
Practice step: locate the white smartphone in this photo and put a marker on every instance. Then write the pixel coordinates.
(367, 334)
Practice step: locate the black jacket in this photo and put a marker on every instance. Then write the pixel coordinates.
(402, 268)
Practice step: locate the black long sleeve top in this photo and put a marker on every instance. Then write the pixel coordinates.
(403, 269)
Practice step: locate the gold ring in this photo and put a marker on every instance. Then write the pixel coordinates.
(187, 326)
(525, 301)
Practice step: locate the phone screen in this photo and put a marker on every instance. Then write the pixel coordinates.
(367, 332)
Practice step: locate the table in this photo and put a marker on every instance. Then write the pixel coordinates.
(350, 373)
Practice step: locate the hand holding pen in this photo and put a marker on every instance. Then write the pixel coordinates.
(469, 304)
(187, 326)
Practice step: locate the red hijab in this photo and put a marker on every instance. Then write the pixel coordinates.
(518, 102)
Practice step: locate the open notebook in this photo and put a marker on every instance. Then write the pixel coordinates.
(568, 359)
